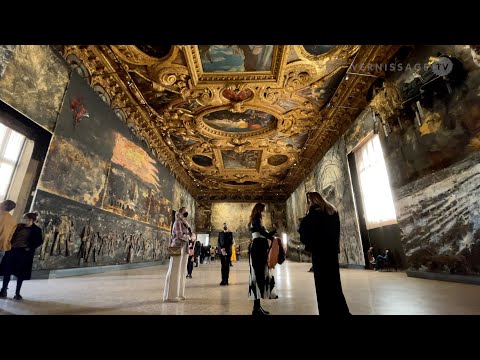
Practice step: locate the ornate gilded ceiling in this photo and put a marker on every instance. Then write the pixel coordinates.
(234, 122)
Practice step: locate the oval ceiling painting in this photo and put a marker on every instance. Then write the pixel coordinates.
(202, 160)
(248, 121)
(276, 160)
(318, 49)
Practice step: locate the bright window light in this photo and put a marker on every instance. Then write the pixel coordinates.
(284, 240)
(11, 145)
(374, 185)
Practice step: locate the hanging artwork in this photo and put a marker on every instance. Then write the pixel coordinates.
(79, 111)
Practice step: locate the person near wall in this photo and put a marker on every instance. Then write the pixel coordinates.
(18, 260)
(175, 279)
(320, 232)
(197, 251)
(371, 258)
(382, 260)
(261, 282)
(7, 226)
(225, 241)
(191, 254)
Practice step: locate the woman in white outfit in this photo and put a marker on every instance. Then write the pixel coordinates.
(175, 280)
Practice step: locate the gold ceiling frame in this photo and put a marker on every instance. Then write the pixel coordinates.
(171, 73)
(274, 77)
(338, 52)
(133, 55)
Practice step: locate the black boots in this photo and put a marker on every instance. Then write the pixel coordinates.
(3, 294)
(260, 311)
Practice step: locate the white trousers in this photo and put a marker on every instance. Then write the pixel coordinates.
(175, 279)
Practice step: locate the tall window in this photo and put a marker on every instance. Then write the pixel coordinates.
(374, 185)
(11, 145)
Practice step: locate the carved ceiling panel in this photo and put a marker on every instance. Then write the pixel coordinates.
(234, 121)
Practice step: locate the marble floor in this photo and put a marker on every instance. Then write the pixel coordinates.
(139, 291)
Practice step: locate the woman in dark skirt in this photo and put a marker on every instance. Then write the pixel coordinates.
(19, 260)
(261, 281)
(320, 232)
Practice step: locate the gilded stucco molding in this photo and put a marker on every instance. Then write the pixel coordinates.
(176, 130)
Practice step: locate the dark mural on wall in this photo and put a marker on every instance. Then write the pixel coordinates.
(33, 81)
(79, 235)
(330, 178)
(279, 217)
(450, 124)
(295, 211)
(181, 197)
(203, 217)
(439, 217)
(103, 198)
(432, 167)
(84, 182)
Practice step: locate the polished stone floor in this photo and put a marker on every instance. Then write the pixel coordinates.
(139, 291)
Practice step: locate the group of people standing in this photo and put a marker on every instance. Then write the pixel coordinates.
(17, 247)
(319, 230)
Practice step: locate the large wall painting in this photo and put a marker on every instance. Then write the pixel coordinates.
(79, 235)
(132, 157)
(73, 173)
(103, 197)
(33, 80)
(181, 197)
(332, 180)
(237, 216)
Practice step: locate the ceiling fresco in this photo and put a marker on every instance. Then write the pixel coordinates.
(233, 120)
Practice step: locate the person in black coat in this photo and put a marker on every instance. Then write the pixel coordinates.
(197, 251)
(19, 260)
(320, 232)
(225, 241)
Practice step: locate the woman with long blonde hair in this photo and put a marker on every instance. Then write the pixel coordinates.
(320, 232)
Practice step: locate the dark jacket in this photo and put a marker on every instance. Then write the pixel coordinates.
(197, 249)
(19, 261)
(225, 240)
(320, 232)
(257, 226)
